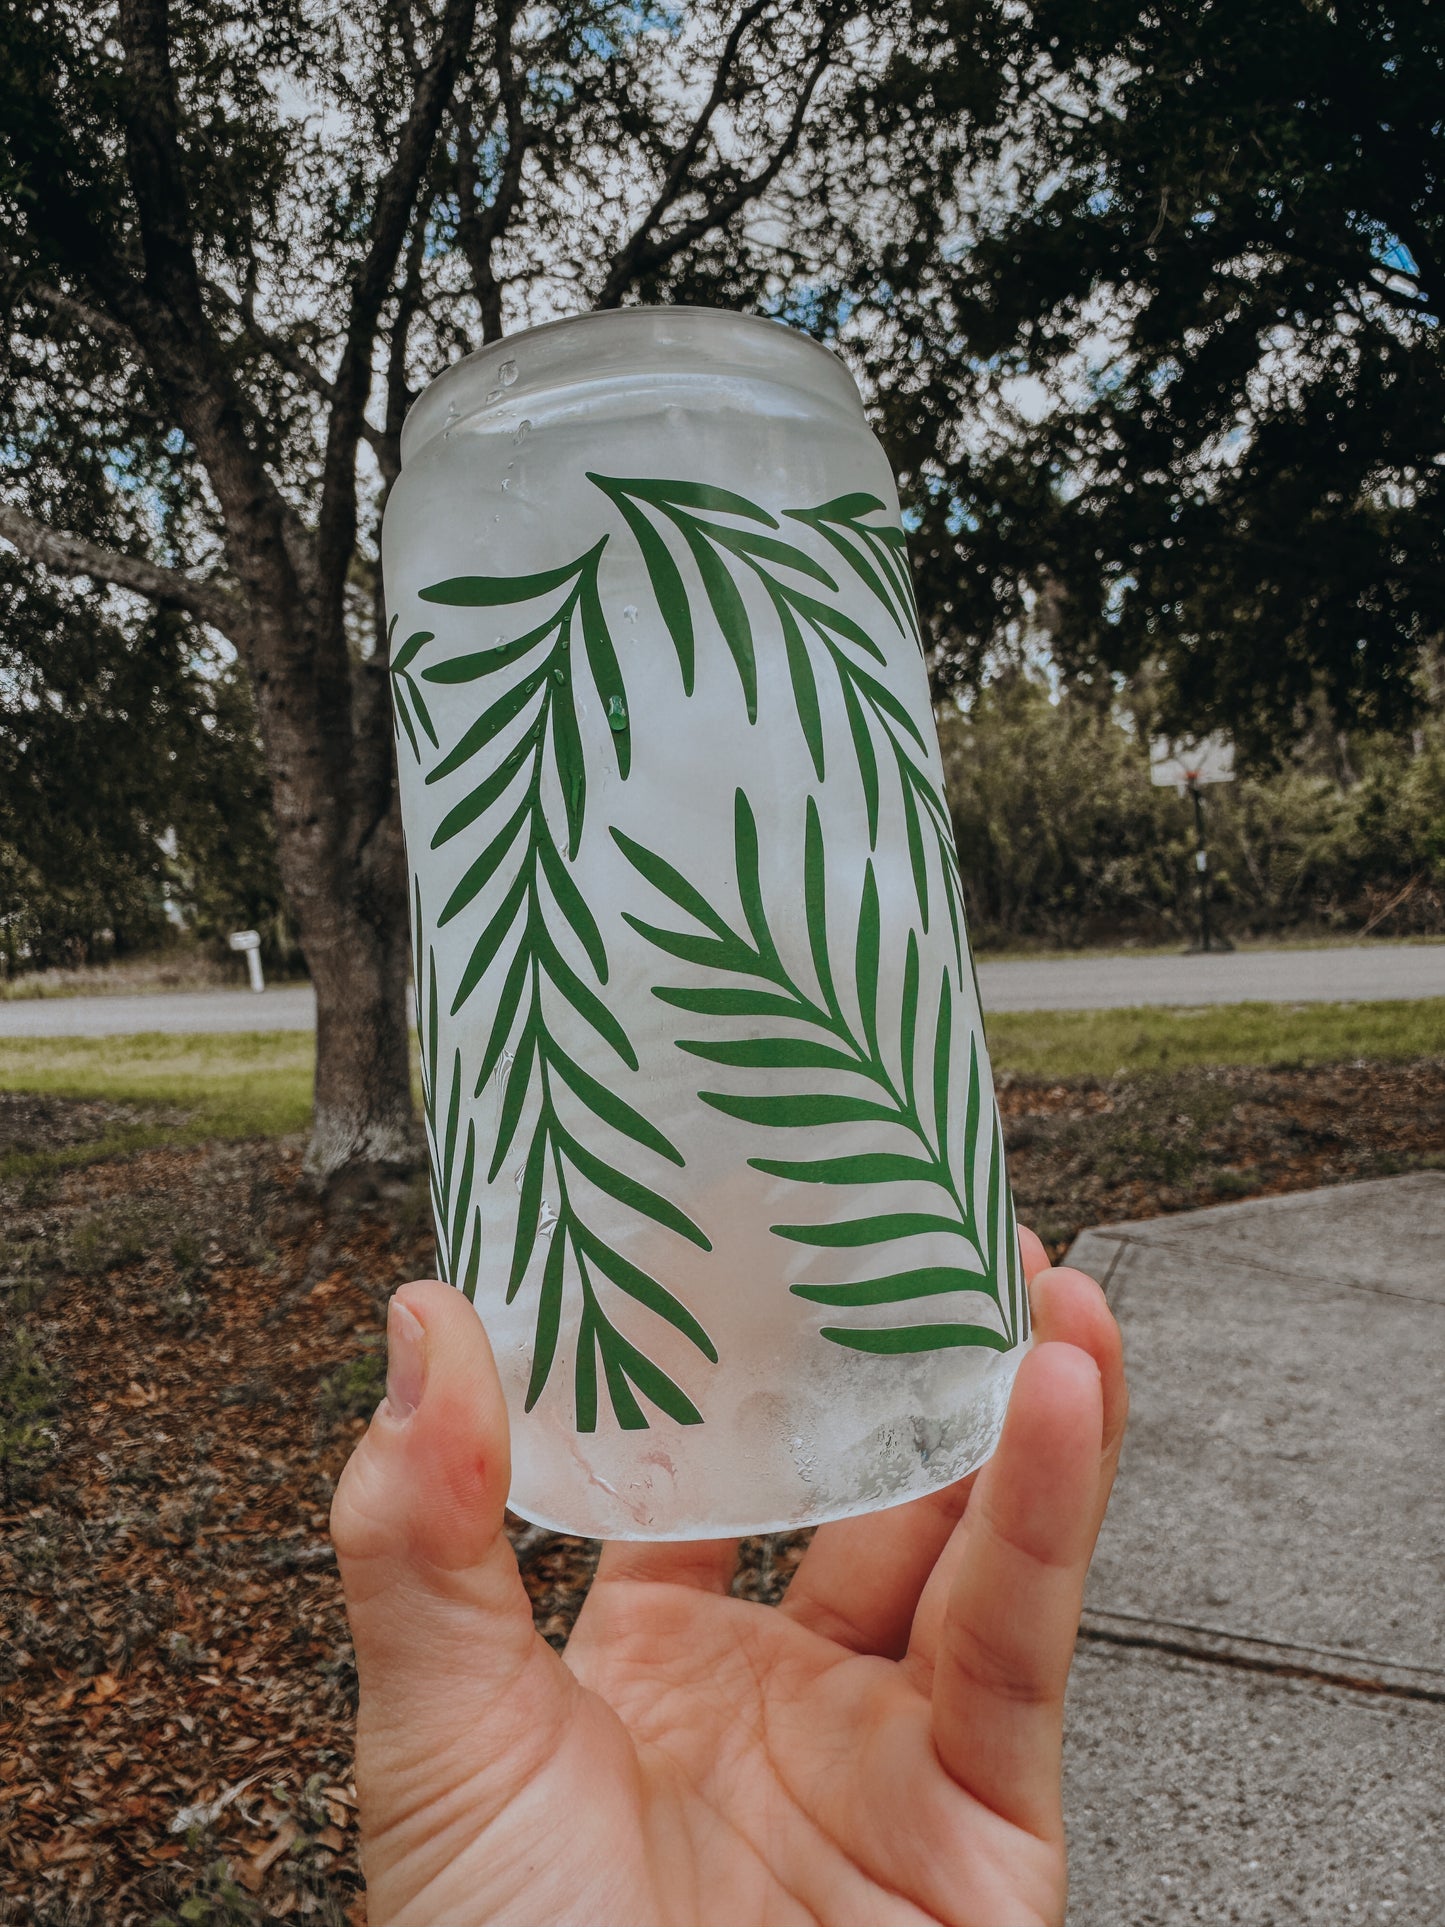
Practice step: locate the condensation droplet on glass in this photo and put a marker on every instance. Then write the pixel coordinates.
(493, 394)
(546, 1219)
(504, 1064)
(629, 614)
(616, 714)
(518, 1175)
(506, 481)
(507, 373)
(522, 431)
(559, 674)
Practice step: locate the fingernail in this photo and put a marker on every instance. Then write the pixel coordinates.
(405, 1360)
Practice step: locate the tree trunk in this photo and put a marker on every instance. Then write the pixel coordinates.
(324, 716)
(343, 866)
(363, 1111)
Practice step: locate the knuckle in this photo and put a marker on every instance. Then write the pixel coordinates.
(997, 1668)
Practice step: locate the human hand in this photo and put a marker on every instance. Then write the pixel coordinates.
(883, 1747)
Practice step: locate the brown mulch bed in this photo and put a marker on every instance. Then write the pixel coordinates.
(1084, 1152)
(188, 1351)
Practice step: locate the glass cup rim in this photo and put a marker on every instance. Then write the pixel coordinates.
(610, 345)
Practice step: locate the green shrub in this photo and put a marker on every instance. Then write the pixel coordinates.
(1063, 839)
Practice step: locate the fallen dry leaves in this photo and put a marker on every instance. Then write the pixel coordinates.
(176, 1683)
(1087, 1152)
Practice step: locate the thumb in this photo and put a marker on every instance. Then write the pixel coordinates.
(439, 1616)
(461, 1703)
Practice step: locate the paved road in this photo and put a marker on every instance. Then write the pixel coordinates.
(174, 1011)
(1256, 1723)
(1359, 973)
(1362, 974)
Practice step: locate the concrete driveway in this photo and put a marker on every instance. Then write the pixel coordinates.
(1256, 1728)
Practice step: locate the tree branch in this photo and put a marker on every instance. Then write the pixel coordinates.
(624, 269)
(156, 298)
(285, 354)
(395, 202)
(387, 442)
(479, 228)
(73, 555)
(167, 315)
(105, 326)
(288, 357)
(1361, 271)
(152, 130)
(641, 255)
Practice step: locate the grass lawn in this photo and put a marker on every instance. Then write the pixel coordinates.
(229, 1086)
(259, 1085)
(1040, 952)
(1101, 1043)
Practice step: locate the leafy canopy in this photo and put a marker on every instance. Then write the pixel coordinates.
(129, 776)
(1145, 300)
(1200, 295)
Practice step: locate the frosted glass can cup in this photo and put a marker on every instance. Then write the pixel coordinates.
(714, 1145)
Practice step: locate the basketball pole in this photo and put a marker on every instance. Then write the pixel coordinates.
(1208, 942)
(1201, 865)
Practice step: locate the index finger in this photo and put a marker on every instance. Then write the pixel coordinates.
(859, 1581)
(1068, 1308)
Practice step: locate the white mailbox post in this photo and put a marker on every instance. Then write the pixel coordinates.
(249, 941)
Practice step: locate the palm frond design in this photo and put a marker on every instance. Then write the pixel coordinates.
(458, 1222)
(408, 705)
(876, 552)
(814, 632)
(763, 987)
(522, 1049)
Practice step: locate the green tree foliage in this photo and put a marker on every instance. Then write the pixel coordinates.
(240, 240)
(1063, 840)
(118, 732)
(1212, 239)
(237, 242)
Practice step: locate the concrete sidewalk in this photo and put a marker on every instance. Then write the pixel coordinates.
(1257, 1714)
(1356, 974)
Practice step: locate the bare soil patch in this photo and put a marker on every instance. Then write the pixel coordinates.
(188, 1352)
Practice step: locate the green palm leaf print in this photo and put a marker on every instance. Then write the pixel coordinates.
(458, 1222)
(519, 888)
(876, 552)
(817, 635)
(824, 1036)
(408, 705)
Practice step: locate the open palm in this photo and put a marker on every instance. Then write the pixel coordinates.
(883, 1747)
